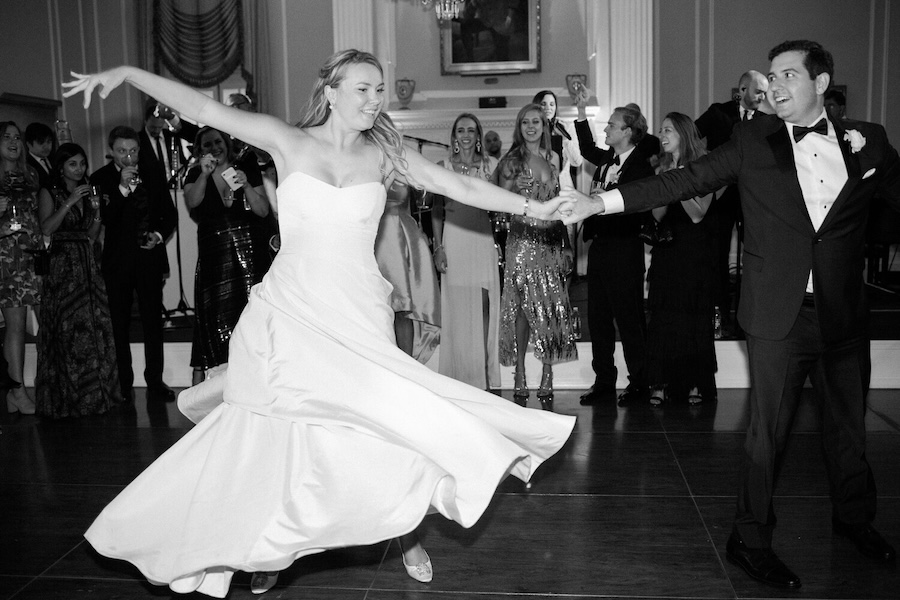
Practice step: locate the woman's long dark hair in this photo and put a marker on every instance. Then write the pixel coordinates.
(692, 147)
(480, 155)
(64, 153)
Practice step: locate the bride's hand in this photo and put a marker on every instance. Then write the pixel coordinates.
(107, 80)
(549, 210)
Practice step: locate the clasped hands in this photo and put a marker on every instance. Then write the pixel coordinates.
(573, 206)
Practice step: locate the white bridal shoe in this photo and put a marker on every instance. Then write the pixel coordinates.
(420, 572)
(263, 581)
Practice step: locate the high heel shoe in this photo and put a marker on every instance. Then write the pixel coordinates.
(545, 391)
(23, 405)
(421, 572)
(658, 397)
(263, 581)
(520, 388)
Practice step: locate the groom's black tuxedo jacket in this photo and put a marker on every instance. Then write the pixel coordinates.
(780, 244)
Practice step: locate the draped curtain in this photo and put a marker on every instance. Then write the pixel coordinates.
(200, 42)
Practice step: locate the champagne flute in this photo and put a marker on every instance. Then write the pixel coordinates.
(526, 171)
(131, 161)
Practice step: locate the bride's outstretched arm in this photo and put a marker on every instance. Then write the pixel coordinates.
(477, 192)
(258, 130)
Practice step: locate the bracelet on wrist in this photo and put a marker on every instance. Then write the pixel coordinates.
(525, 208)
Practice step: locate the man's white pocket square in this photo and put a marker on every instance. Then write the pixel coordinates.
(869, 173)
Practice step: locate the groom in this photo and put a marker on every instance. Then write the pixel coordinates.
(806, 184)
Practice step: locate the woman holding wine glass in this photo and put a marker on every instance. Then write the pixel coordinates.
(20, 236)
(535, 305)
(77, 373)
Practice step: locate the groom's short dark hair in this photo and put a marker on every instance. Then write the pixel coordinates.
(818, 60)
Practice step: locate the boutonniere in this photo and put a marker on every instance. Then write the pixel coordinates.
(856, 139)
(614, 178)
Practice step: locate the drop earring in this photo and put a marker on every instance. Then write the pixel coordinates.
(478, 147)
(455, 147)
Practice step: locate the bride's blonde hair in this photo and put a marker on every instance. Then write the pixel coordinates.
(383, 134)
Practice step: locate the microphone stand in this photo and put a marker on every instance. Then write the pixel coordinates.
(175, 182)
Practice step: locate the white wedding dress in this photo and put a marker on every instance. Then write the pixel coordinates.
(320, 433)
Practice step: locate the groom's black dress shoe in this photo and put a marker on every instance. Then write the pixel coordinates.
(761, 564)
(868, 541)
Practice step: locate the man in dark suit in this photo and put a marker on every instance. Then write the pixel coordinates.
(39, 139)
(161, 139)
(805, 194)
(716, 125)
(615, 273)
(138, 218)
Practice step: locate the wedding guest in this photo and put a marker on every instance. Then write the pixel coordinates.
(535, 307)
(76, 366)
(562, 140)
(40, 141)
(138, 217)
(20, 236)
(466, 258)
(493, 145)
(230, 260)
(405, 260)
(681, 354)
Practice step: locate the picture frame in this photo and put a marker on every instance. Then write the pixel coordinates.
(493, 37)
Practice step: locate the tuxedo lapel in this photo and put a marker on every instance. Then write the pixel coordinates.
(780, 144)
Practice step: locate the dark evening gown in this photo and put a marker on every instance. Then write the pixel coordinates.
(680, 342)
(76, 367)
(232, 258)
(320, 433)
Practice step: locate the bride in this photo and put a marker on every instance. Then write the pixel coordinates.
(320, 433)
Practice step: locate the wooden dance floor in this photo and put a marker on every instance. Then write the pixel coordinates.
(638, 504)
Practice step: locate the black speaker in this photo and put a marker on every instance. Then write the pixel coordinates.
(492, 102)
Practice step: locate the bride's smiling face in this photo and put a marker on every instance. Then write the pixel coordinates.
(359, 97)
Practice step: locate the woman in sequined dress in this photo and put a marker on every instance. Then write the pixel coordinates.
(20, 236)
(231, 259)
(535, 306)
(466, 257)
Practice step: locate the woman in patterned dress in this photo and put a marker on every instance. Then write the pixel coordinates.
(77, 373)
(535, 305)
(20, 236)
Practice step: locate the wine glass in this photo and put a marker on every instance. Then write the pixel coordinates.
(526, 171)
(15, 213)
(130, 160)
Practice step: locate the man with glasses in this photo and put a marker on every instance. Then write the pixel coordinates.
(138, 217)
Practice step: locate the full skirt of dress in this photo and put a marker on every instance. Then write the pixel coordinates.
(320, 433)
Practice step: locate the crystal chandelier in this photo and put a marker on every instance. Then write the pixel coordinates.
(445, 9)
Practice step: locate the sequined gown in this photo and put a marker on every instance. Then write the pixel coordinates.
(404, 259)
(77, 373)
(535, 282)
(231, 258)
(472, 271)
(320, 433)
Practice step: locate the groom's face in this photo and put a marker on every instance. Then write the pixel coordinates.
(795, 95)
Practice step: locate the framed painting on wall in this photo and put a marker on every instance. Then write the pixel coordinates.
(492, 37)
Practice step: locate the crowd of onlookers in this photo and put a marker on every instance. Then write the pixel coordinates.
(83, 246)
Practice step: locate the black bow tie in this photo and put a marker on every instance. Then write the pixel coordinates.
(800, 132)
(614, 161)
